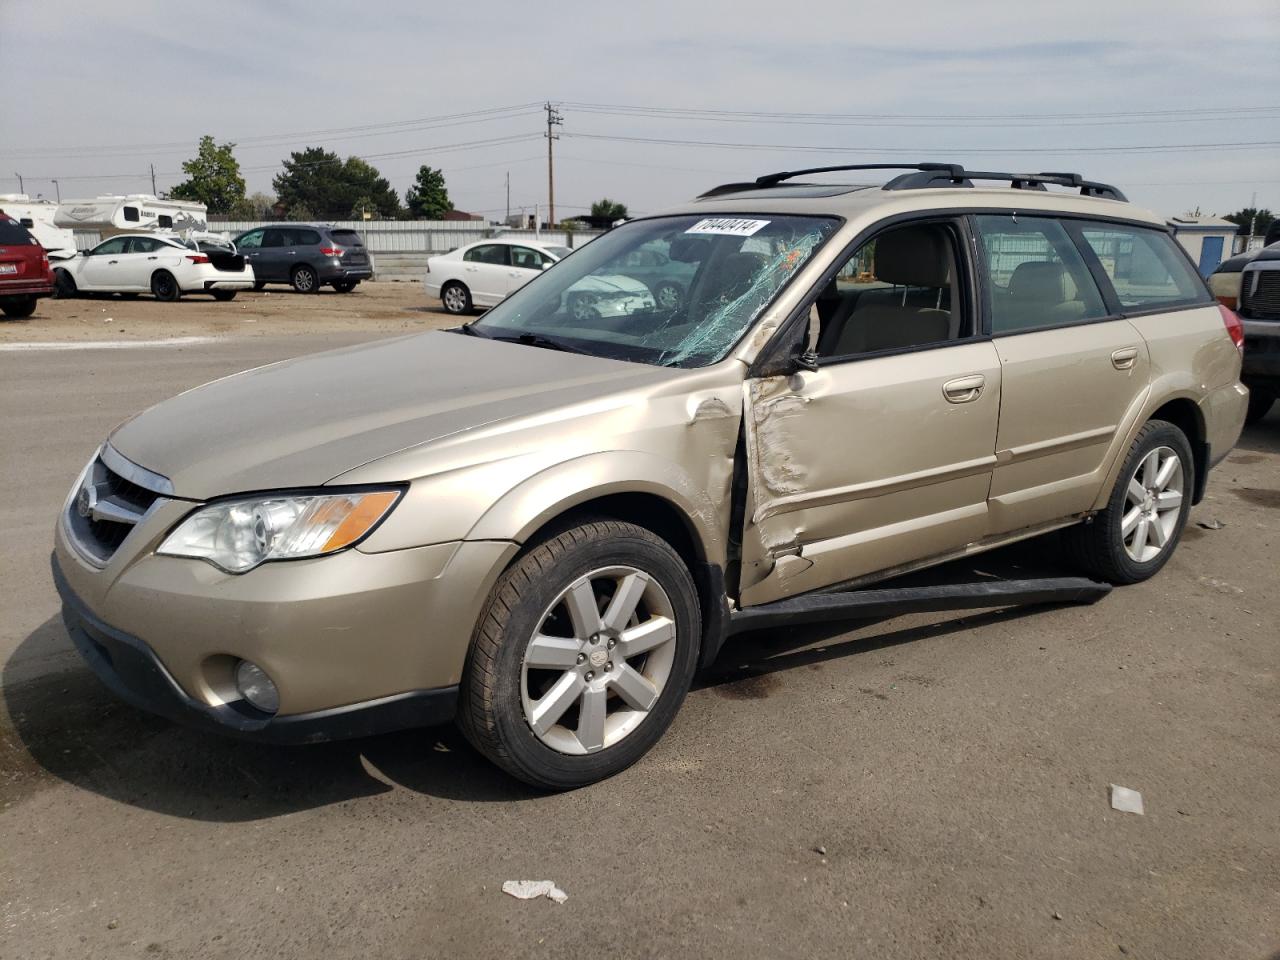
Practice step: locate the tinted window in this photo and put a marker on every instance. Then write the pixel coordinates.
(274, 238)
(1036, 276)
(12, 232)
(487, 253)
(1146, 267)
(164, 220)
(898, 290)
(114, 245)
(250, 240)
(526, 259)
(346, 238)
(301, 238)
(131, 214)
(145, 244)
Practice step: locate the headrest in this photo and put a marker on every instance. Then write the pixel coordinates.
(1042, 282)
(918, 256)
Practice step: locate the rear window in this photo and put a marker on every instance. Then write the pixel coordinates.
(1146, 267)
(346, 238)
(12, 232)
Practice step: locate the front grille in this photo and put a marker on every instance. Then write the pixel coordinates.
(107, 506)
(1260, 302)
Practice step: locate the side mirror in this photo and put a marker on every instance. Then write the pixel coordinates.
(546, 265)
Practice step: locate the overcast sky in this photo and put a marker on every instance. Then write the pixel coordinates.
(94, 93)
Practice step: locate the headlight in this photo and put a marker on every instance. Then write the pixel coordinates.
(237, 535)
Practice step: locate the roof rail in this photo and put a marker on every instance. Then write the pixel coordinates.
(925, 175)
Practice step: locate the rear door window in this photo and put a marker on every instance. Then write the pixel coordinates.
(488, 253)
(1146, 267)
(275, 238)
(302, 238)
(1036, 278)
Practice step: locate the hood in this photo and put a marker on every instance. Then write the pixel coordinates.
(302, 422)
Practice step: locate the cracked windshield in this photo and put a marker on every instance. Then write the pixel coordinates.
(671, 291)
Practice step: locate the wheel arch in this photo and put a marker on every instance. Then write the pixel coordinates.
(1179, 407)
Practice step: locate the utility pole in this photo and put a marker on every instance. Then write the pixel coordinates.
(21, 188)
(57, 190)
(508, 220)
(553, 120)
(1253, 219)
(153, 180)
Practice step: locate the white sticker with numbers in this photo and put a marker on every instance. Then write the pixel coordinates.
(728, 226)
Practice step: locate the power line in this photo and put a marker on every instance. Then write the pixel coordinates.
(797, 148)
(364, 130)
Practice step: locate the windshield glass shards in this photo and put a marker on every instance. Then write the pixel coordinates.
(673, 291)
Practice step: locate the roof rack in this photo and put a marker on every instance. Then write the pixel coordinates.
(927, 175)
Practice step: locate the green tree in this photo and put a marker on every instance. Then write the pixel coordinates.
(256, 206)
(610, 209)
(331, 187)
(1243, 218)
(428, 198)
(213, 177)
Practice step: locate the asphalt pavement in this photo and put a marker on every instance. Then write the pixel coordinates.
(932, 786)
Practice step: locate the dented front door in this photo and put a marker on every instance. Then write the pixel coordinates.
(867, 464)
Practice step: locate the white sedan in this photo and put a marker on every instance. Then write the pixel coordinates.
(482, 274)
(163, 264)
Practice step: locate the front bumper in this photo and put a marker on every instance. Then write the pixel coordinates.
(353, 633)
(133, 672)
(1261, 348)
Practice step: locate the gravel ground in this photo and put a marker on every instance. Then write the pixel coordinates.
(931, 786)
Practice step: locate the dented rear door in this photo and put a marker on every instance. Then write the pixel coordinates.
(866, 464)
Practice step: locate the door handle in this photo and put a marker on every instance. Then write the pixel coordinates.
(1124, 359)
(153, 258)
(109, 262)
(964, 389)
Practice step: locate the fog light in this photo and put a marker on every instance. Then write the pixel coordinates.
(253, 684)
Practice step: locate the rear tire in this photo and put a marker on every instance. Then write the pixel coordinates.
(456, 298)
(304, 279)
(64, 287)
(222, 296)
(1260, 402)
(611, 677)
(164, 287)
(18, 307)
(1135, 535)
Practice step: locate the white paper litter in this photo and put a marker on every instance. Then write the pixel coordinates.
(532, 889)
(1126, 800)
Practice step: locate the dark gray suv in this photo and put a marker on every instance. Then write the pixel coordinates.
(306, 255)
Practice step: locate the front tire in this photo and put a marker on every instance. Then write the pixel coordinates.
(1135, 535)
(582, 655)
(18, 307)
(304, 279)
(456, 298)
(222, 296)
(164, 287)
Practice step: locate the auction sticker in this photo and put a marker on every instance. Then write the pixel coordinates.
(728, 226)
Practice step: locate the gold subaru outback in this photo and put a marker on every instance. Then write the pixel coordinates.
(541, 524)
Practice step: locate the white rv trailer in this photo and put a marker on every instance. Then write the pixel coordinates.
(109, 215)
(37, 216)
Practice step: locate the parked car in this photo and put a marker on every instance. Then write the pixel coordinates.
(24, 269)
(541, 524)
(1250, 283)
(306, 255)
(668, 280)
(483, 274)
(162, 264)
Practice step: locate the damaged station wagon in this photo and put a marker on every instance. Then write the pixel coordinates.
(542, 523)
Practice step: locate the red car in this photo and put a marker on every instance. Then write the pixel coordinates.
(25, 275)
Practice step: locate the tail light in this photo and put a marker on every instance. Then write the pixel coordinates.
(1235, 329)
(331, 251)
(197, 258)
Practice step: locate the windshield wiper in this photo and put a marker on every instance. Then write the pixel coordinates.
(470, 331)
(546, 343)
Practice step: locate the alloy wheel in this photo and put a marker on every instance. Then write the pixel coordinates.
(1153, 504)
(599, 660)
(455, 300)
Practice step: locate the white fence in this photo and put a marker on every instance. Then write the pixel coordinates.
(426, 236)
